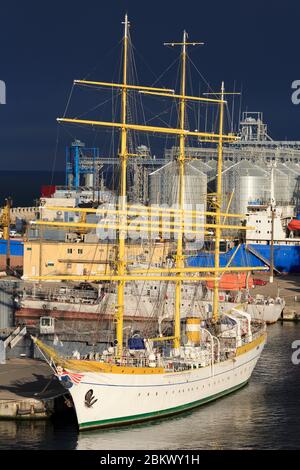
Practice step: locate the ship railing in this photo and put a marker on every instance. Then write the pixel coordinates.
(58, 295)
(171, 364)
(258, 333)
(266, 202)
(227, 344)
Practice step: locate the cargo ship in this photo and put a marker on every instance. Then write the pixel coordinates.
(257, 248)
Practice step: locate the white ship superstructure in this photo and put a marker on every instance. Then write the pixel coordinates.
(143, 303)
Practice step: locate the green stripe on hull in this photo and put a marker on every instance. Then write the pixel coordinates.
(157, 414)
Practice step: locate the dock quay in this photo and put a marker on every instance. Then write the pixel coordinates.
(286, 286)
(27, 389)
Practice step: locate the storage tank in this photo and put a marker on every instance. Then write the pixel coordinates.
(282, 191)
(164, 185)
(293, 174)
(212, 173)
(296, 194)
(249, 184)
(89, 180)
(252, 185)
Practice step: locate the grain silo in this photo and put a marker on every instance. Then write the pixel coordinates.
(164, 185)
(293, 174)
(248, 184)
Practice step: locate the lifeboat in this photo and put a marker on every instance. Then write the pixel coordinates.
(233, 281)
(294, 225)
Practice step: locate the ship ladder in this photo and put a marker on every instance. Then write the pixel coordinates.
(261, 257)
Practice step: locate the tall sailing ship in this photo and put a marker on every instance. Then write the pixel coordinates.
(155, 376)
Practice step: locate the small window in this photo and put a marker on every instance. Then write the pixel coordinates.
(29, 249)
(69, 251)
(80, 251)
(50, 263)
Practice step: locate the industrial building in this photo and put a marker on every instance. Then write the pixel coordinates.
(82, 166)
(255, 144)
(153, 180)
(248, 164)
(64, 258)
(246, 179)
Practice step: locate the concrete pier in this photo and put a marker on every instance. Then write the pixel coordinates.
(27, 389)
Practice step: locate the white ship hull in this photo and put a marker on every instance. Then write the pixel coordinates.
(267, 312)
(116, 398)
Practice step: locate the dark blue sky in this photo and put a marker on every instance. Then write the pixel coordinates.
(45, 45)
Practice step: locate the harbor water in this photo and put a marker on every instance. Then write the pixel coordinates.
(263, 415)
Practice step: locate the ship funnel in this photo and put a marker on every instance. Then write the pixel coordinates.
(193, 330)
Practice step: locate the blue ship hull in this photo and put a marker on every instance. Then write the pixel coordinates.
(16, 247)
(286, 257)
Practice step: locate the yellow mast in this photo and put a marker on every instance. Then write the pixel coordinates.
(218, 202)
(181, 189)
(218, 210)
(181, 160)
(122, 202)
